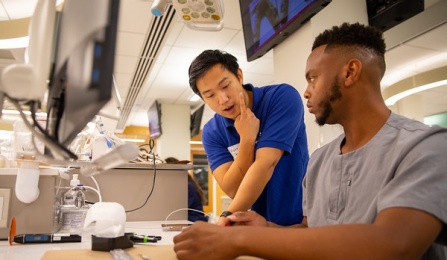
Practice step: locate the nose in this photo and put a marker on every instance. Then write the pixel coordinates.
(306, 94)
(223, 97)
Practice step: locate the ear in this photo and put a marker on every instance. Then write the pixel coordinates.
(352, 72)
(240, 76)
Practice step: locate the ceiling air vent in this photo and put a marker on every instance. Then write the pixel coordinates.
(155, 36)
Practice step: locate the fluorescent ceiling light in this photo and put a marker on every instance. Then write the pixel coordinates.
(417, 83)
(14, 43)
(133, 140)
(195, 142)
(392, 100)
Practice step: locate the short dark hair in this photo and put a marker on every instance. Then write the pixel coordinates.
(357, 36)
(353, 34)
(171, 160)
(205, 61)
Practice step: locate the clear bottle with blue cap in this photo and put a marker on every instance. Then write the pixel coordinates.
(73, 208)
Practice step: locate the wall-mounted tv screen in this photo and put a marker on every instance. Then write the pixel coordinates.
(385, 14)
(154, 116)
(266, 23)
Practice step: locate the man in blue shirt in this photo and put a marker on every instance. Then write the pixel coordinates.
(256, 143)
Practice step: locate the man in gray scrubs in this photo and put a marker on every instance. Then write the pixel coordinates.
(378, 191)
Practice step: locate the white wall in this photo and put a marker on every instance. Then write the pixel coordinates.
(291, 55)
(175, 137)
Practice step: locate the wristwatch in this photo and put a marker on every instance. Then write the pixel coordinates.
(226, 213)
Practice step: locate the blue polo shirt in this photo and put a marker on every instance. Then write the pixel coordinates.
(280, 111)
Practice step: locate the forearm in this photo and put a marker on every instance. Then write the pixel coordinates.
(397, 233)
(235, 174)
(274, 225)
(334, 242)
(252, 186)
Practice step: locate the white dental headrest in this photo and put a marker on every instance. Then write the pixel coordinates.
(109, 218)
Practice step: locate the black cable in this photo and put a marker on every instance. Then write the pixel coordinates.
(53, 140)
(151, 146)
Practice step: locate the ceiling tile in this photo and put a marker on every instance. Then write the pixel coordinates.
(236, 45)
(155, 68)
(182, 56)
(214, 40)
(135, 16)
(129, 43)
(186, 94)
(172, 75)
(123, 81)
(232, 16)
(174, 32)
(168, 93)
(125, 64)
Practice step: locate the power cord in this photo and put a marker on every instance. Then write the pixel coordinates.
(151, 146)
(210, 216)
(147, 156)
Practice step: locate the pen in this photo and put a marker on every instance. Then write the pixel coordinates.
(143, 239)
(46, 238)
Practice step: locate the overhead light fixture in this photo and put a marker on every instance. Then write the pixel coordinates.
(204, 15)
(133, 140)
(423, 81)
(159, 7)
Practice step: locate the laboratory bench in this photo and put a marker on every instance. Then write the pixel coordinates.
(147, 193)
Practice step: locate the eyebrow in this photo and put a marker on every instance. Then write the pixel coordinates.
(220, 82)
(307, 75)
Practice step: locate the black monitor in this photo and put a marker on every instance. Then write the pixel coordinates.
(266, 23)
(385, 14)
(81, 80)
(154, 118)
(196, 120)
